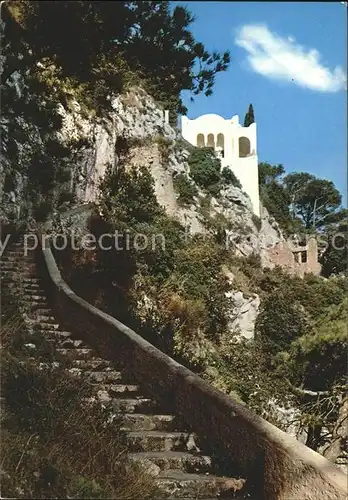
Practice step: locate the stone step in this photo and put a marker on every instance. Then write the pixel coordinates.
(157, 441)
(31, 280)
(13, 257)
(65, 343)
(148, 422)
(31, 307)
(33, 297)
(12, 252)
(33, 288)
(102, 376)
(198, 486)
(7, 272)
(54, 336)
(92, 364)
(8, 284)
(8, 266)
(31, 284)
(77, 353)
(18, 243)
(6, 279)
(168, 460)
(33, 291)
(70, 343)
(42, 318)
(126, 390)
(26, 273)
(116, 389)
(139, 404)
(41, 311)
(46, 326)
(18, 251)
(13, 262)
(36, 306)
(34, 303)
(60, 335)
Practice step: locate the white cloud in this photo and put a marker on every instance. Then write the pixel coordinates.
(284, 59)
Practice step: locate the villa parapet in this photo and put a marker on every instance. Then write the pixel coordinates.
(235, 145)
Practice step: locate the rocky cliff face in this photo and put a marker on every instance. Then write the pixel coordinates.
(244, 313)
(152, 143)
(137, 120)
(138, 124)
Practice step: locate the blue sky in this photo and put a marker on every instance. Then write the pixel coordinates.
(284, 57)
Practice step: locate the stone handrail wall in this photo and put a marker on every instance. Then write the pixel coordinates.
(279, 466)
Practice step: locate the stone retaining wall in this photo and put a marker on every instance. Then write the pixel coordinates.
(281, 467)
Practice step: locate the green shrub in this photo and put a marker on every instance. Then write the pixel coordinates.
(128, 196)
(205, 169)
(185, 188)
(280, 322)
(229, 178)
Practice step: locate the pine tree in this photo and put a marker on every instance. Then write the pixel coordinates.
(249, 117)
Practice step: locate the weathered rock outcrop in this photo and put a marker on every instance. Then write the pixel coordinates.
(137, 120)
(244, 313)
(137, 125)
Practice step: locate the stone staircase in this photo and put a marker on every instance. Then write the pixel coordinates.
(156, 438)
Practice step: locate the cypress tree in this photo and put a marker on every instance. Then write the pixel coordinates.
(249, 117)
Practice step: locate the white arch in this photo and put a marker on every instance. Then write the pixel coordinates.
(200, 140)
(239, 147)
(220, 141)
(244, 147)
(220, 144)
(211, 141)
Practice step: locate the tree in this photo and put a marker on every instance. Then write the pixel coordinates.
(269, 173)
(280, 322)
(313, 200)
(334, 260)
(317, 363)
(229, 178)
(186, 189)
(205, 169)
(274, 196)
(299, 201)
(249, 116)
(147, 38)
(338, 446)
(127, 196)
(163, 46)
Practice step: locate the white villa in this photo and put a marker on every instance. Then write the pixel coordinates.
(235, 145)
